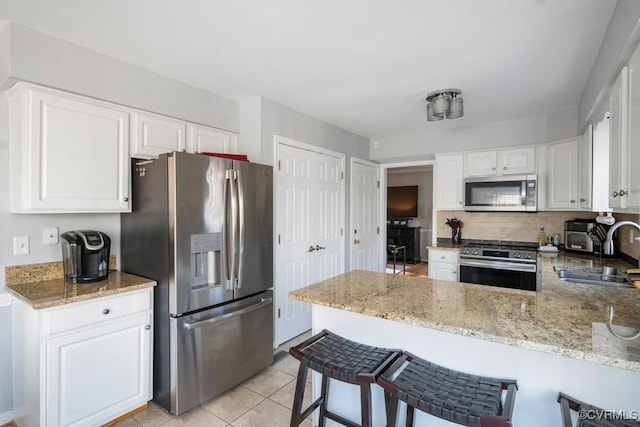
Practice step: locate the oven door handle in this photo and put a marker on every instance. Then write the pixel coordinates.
(498, 265)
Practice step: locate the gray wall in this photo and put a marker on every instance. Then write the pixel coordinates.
(620, 39)
(442, 137)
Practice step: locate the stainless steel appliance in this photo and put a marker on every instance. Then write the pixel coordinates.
(501, 263)
(85, 256)
(202, 228)
(518, 193)
(584, 235)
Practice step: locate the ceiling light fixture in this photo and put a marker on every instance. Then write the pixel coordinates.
(444, 103)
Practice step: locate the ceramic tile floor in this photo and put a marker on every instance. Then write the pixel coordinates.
(263, 400)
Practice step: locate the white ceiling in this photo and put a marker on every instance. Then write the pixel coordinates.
(363, 65)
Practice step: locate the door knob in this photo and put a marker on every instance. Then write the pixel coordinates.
(311, 249)
(318, 247)
(622, 193)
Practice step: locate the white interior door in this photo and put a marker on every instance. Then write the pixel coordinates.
(309, 229)
(365, 198)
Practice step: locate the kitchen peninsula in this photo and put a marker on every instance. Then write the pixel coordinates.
(549, 341)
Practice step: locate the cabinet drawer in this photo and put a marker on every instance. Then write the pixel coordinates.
(443, 256)
(86, 313)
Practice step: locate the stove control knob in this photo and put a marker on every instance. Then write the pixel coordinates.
(518, 256)
(475, 252)
(528, 256)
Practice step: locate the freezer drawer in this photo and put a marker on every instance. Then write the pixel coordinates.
(219, 348)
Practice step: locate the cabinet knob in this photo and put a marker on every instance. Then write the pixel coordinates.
(106, 311)
(147, 327)
(583, 200)
(126, 199)
(622, 193)
(311, 249)
(504, 168)
(573, 201)
(615, 194)
(493, 168)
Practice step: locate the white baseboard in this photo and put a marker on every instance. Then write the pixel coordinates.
(6, 418)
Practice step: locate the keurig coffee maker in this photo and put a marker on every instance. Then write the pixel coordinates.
(85, 256)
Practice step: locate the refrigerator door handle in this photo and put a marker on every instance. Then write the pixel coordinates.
(256, 306)
(233, 247)
(240, 248)
(226, 244)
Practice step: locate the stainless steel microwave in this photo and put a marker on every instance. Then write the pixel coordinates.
(511, 193)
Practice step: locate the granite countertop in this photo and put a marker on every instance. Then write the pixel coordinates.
(563, 318)
(53, 292)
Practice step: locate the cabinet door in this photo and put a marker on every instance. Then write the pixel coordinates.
(618, 143)
(563, 175)
(443, 271)
(447, 177)
(585, 171)
(202, 139)
(481, 163)
(98, 374)
(69, 153)
(517, 161)
(154, 135)
(633, 201)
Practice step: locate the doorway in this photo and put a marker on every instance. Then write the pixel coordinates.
(418, 173)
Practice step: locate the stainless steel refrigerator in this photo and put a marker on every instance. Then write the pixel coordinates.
(202, 227)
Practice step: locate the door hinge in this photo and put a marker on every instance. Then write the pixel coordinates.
(278, 239)
(278, 313)
(278, 164)
(377, 230)
(341, 232)
(341, 175)
(378, 184)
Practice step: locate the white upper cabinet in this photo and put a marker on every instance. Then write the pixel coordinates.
(154, 134)
(202, 139)
(562, 175)
(68, 153)
(632, 156)
(507, 161)
(447, 177)
(618, 142)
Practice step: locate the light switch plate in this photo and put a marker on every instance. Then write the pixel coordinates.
(50, 236)
(21, 245)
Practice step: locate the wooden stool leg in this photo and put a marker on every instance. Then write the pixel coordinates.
(296, 411)
(324, 393)
(365, 405)
(391, 408)
(409, 416)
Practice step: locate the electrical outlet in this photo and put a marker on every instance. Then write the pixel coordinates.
(50, 236)
(21, 245)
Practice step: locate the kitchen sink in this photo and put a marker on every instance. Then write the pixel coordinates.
(605, 276)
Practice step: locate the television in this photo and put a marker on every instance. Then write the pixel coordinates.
(402, 202)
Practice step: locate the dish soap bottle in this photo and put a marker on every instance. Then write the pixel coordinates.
(542, 237)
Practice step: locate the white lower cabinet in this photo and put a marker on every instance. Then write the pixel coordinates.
(82, 364)
(443, 264)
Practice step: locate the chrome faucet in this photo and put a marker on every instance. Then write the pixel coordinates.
(608, 242)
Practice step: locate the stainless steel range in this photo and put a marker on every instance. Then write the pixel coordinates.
(507, 264)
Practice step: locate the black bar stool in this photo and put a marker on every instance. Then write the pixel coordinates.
(465, 399)
(567, 404)
(338, 358)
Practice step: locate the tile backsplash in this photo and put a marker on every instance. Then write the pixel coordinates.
(526, 226)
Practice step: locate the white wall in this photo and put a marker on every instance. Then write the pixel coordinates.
(435, 138)
(424, 181)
